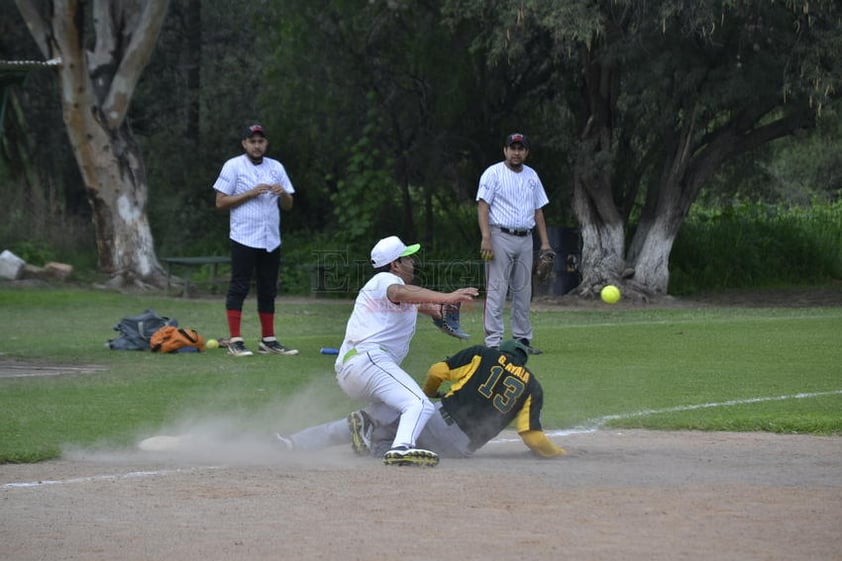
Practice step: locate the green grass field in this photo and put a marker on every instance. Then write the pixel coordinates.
(736, 369)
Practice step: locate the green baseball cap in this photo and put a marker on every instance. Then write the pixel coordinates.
(516, 349)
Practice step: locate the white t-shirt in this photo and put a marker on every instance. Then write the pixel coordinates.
(257, 222)
(512, 197)
(378, 323)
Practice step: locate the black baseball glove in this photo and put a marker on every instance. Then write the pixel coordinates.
(449, 322)
(545, 264)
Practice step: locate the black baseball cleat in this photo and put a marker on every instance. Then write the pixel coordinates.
(236, 347)
(360, 425)
(406, 456)
(271, 346)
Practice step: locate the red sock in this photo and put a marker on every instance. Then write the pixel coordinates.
(234, 319)
(267, 324)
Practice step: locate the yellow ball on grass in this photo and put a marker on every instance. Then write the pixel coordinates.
(212, 344)
(610, 294)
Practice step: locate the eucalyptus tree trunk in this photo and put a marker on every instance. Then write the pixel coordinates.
(96, 89)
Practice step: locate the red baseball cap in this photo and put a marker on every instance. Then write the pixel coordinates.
(251, 130)
(516, 138)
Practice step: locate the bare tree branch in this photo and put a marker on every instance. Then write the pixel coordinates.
(136, 56)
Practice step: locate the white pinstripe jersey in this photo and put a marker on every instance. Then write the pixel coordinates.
(257, 222)
(512, 197)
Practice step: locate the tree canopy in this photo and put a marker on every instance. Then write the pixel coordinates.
(664, 95)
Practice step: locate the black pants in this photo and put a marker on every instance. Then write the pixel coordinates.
(246, 261)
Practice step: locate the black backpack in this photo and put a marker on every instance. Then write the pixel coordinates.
(135, 331)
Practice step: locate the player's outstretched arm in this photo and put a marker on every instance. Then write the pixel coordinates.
(438, 373)
(411, 294)
(538, 442)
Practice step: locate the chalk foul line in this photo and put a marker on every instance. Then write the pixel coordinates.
(596, 424)
(105, 477)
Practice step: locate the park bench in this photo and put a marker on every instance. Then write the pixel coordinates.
(189, 264)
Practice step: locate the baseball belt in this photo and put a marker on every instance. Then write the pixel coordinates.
(518, 233)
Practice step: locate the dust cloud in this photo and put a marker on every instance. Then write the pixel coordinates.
(221, 437)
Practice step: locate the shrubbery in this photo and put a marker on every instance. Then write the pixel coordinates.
(757, 245)
(744, 244)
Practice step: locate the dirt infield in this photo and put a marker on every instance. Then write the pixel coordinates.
(617, 495)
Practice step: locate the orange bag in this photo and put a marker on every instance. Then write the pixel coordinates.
(170, 339)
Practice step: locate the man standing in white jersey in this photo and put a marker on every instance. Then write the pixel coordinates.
(509, 207)
(377, 339)
(253, 187)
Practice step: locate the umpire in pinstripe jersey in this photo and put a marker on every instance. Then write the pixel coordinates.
(510, 199)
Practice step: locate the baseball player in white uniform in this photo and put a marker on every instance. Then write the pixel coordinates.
(377, 340)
